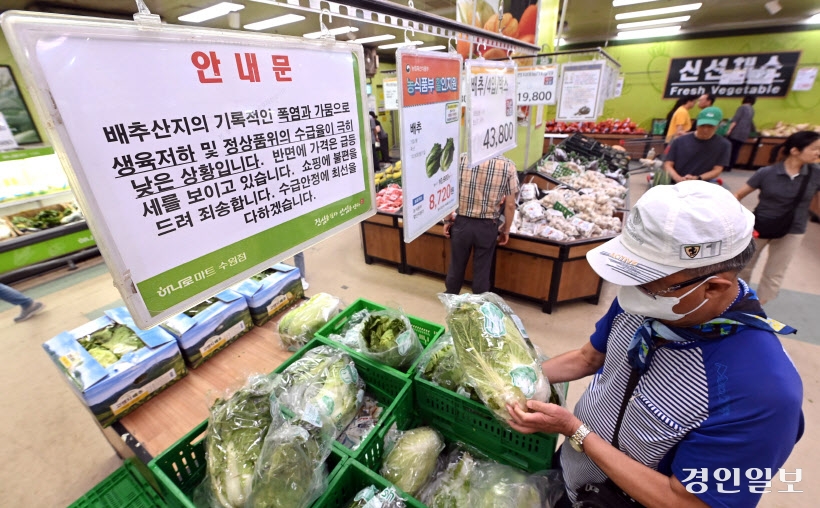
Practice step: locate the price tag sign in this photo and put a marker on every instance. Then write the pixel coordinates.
(491, 108)
(537, 85)
(430, 119)
(581, 85)
(390, 86)
(205, 156)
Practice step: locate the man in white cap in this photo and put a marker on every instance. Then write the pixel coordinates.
(693, 402)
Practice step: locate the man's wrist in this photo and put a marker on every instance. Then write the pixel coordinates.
(573, 426)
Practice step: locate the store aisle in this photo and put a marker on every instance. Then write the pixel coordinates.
(53, 451)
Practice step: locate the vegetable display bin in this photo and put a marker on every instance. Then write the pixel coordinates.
(182, 467)
(127, 487)
(349, 481)
(473, 423)
(427, 332)
(392, 391)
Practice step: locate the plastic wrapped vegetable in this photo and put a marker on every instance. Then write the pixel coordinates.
(323, 382)
(291, 471)
(451, 487)
(236, 431)
(389, 339)
(298, 326)
(371, 497)
(351, 335)
(497, 361)
(441, 366)
(411, 460)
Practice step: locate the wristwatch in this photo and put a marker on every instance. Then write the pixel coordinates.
(577, 439)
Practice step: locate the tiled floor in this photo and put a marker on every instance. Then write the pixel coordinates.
(53, 451)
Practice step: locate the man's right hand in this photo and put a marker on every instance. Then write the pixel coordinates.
(447, 226)
(503, 238)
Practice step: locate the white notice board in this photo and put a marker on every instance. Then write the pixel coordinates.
(430, 119)
(199, 156)
(390, 87)
(491, 109)
(581, 84)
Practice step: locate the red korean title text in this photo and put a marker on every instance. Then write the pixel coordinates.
(209, 70)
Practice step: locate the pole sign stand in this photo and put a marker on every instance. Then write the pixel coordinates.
(199, 156)
(491, 109)
(430, 119)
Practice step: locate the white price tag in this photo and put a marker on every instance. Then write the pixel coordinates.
(537, 85)
(390, 87)
(491, 109)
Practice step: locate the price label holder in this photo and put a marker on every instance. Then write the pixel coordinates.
(491, 109)
(582, 86)
(537, 85)
(390, 86)
(430, 120)
(200, 157)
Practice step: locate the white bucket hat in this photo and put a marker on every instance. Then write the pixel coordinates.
(673, 228)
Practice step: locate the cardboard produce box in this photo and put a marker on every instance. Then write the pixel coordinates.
(272, 291)
(207, 328)
(123, 367)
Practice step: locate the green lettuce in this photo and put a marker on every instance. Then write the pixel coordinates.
(412, 460)
(105, 357)
(389, 338)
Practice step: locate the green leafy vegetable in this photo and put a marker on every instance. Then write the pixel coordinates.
(412, 460)
(389, 338)
(499, 486)
(451, 488)
(298, 326)
(109, 344)
(104, 356)
(123, 340)
(441, 366)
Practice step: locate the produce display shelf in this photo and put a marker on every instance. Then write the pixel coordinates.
(427, 332)
(392, 391)
(127, 487)
(349, 481)
(182, 467)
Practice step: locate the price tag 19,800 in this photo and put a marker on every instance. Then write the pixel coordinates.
(537, 85)
(491, 108)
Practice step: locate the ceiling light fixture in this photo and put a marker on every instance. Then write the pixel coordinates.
(814, 19)
(272, 22)
(433, 48)
(376, 38)
(658, 12)
(214, 11)
(400, 44)
(333, 31)
(649, 33)
(622, 3)
(652, 22)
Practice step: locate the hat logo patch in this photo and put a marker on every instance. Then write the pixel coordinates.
(691, 250)
(700, 250)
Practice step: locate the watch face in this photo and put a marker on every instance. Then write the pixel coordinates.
(576, 446)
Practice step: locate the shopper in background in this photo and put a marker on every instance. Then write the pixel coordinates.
(381, 138)
(678, 120)
(700, 155)
(299, 261)
(706, 100)
(708, 384)
(475, 226)
(742, 125)
(782, 214)
(29, 307)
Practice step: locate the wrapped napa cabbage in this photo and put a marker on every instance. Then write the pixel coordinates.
(236, 432)
(372, 497)
(385, 336)
(412, 458)
(298, 326)
(498, 362)
(291, 470)
(451, 487)
(324, 381)
(440, 365)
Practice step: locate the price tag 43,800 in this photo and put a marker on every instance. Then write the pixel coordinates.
(491, 109)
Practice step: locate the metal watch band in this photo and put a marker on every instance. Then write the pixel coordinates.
(581, 434)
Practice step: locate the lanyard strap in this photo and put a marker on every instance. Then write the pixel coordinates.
(631, 384)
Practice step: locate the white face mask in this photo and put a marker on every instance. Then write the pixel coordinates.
(635, 301)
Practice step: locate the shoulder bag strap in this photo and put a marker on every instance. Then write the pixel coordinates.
(634, 377)
(803, 187)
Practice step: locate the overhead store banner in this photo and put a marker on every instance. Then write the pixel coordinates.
(430, 119)
(390, 87)
(200, 157)
(537, 85)
(758, 74)
(491, 109)
(582, 84)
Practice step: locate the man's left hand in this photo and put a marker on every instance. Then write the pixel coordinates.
(690, 177)
(543, 417)
(503, 238)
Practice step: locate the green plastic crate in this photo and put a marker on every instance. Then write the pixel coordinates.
(182, 467)
(351, 479)
(427, 332)
(393, 391)
(127, 487)
(476, 425)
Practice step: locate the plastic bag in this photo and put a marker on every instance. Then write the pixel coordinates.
(529, 191)
(364, 423)
(498, 361)
(351, 335)
(291, 471)
(451, 485)
(532, 211)
(236, 431)
(298, 326)
(384, 335)
(324, 381)
(411, 457)
(440, 365)
(372, 497)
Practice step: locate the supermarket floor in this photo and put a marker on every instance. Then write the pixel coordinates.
(53, 451)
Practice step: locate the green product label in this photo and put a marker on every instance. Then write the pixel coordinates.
(328, 404)
(563, 209)
(561, 171)
(403, 341)
(349, 374)
(366, 494)
(493, 320)
(524, 378)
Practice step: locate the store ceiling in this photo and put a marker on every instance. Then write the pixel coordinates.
(586, 20)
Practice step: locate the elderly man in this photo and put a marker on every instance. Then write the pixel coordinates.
(693, 402)
(700, 155)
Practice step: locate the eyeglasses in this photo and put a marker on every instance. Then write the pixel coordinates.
(676, 287)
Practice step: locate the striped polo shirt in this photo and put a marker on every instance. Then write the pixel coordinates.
(711, 404)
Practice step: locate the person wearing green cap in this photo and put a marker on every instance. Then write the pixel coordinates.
(700, 155)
